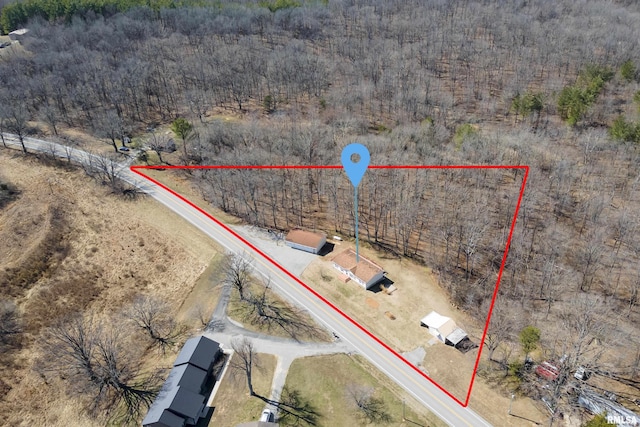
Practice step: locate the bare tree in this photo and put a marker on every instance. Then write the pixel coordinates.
(153, 316)
(68, 153)
(246, 359)
(200, 313)
(127, 385)
(110, 126)
(238, 273)
(589, 256)
(105, 170)
(18, 119)
(4, 117)
(158, 144)
(371, 408)
(50, 114)
(264, 309)
(74, 344)
(52, 151)
(99, 362)
(502, 327)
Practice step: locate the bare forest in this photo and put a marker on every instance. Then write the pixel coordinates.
(551, 84)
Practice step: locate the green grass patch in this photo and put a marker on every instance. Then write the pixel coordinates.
(326, 382)
(233, 404)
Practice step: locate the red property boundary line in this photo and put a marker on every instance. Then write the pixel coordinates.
(137, 170)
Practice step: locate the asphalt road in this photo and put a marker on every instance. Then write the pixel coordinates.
(397, 370)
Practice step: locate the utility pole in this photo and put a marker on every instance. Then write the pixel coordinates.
(403, 417)
(511, 402)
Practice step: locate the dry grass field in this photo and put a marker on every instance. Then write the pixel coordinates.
(288, 321)
(69, 246)
(417, 294)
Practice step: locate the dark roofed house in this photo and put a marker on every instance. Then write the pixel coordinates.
(364, 272)
(181, 400)
(189, 377)
(198, 351)
(307, 241)
(162, 418)
(178, 401)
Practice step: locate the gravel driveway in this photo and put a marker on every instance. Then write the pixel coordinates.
(272, 244)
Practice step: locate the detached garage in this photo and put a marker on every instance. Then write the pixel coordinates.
(307, 241)
(443, 328)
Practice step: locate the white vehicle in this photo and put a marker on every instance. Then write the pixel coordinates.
(267, 416)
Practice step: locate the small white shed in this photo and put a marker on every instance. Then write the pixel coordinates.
(444, 328)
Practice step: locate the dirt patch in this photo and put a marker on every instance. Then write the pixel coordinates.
(372, 303)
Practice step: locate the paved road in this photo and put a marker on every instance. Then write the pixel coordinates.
(397, 370)
(286, 351)
(224, 331)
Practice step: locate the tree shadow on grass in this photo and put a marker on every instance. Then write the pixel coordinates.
(294, 409)
(262, 309)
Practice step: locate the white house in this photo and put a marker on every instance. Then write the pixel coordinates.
(364, 272)
(307, 241)
(444, 328)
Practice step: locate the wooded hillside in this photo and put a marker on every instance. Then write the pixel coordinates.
(549, 84)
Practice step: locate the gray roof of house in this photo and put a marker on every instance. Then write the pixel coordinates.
(198, 351)
(456, 336)
(188, 376)
(166, 419)
(180, 396)
(179, 400)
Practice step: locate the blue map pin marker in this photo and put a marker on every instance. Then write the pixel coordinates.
(355, 170)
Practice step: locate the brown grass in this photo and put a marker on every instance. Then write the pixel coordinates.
(180, 182)
(198, 306)
(417, 294)
(68, 246)
(241, 311)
